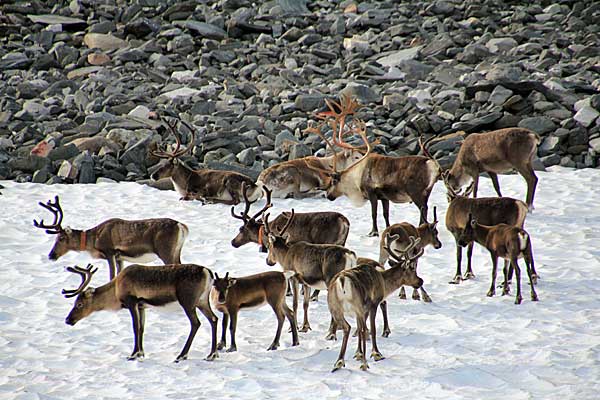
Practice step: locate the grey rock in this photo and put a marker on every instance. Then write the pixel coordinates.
(473, 53)
(394, 59)
(28, 164)
(285, 138)
(247, 156)
(103, 41)
(309, 102)
(52, 19)
(298, 151)
(477, 123)
(67, 171)
(549, 145)
(363, 93)
(566, 161)
(499, 95)
(203, 29)
(84, 163)
(501, 45)
(310, 39)
(293, 7)
(595, 145)
(540, 125)
(65, 152)
(586, 115)
(553, 159)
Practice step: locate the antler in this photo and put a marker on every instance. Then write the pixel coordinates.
(317, 131)
(428, 155)
(177, 152)
(404, 257)
(86, 277)
(244, 216)
(281, 231)
(55, 209)
(346, 106)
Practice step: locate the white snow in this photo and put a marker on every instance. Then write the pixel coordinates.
(464, 345)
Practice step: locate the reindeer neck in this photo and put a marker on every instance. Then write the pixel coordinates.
(181, 175)
(480, 233)
(105, 296)
(392, 279)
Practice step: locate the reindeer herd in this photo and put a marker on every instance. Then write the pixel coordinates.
(309, 247)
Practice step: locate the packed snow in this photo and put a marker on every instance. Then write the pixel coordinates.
(464, 345)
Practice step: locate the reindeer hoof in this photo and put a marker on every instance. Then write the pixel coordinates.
(469, 275)
(211, 356)
(181, 358)
(386, 333)
(426, 298)
(534, 297)
(339, 364)
(491, 293)
(416, 296)
(273, 346)
(138, 355)
(296, 343)
(373, 234)
(518, 300)
(377, 356)
(305, 328)
(314, 297)
(402, 294)
(331, 336)
(457, 279)
(364, 366)
(221, 345)
(231, 349)
(534, 278)
(358, 355)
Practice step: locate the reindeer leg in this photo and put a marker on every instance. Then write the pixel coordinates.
(232, 327)
(425, 296)
(190, 312)
(506, 283)
(373, 199)
(475, 185)
(212, 319)
(315, 295)
(305, 325)
(386, 326)
(495, 182)
(458, 276)
(530, 273)
(294, 282)
(278, 310)
(331, 332)
(362, 338)
(112, 266)
(415, 295)
(133, 307)
(518, 276)
(469, 274)
(142, 314)
(375, 353)
(224, 320)
(292, 320)
(340, 361)
(531, 179)
(385, 205)
(492, 290)
(402, 293)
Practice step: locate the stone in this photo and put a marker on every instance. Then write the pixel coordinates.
(84, 163)
(309, 102)
(283, 139)
(43, 148)
(298, 151)
(394, 59)
(549, 145)
(52, 19)
(184, 92)
(499, 95)
(586, 115)
(67, 170)
(203, 29)
(103, 42)
(540, 125)
(247, 156)
(501, 45)
(83, 72)
(98, 59)
(363, 93)
(595, 145)
(548, 161)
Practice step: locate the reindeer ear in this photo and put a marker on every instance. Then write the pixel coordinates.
(271, 237)
(231, 282)
(89, 292)
(68, 230)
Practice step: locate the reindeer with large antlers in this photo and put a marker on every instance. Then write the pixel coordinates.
(139, 286)
(375, 177)
(362, 289)
(206, 185)
(496, 152)
(116, 240)
(314, 264)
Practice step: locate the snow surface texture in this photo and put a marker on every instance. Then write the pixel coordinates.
(464, 345)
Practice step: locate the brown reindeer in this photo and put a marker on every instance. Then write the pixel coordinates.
(230, 295)
(314, 264)
(361, 290)
(141, 285)
(295, 179)
(376, 177)
(207, 185)
(486, 210)
(496, 152)
(428, 235)
(117, 239)
(505, 241)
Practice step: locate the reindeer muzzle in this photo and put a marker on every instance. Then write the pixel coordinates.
(52, 256)
(69, 321)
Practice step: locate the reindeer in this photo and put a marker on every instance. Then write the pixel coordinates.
(375, 177)
(207, 185)
(361, 290)
(428, 235)
(295, 178)
(141, 285)
(505, 241)
(314, 264)
(496, 152)
(488, 211)
(230, 295)
(117, 239)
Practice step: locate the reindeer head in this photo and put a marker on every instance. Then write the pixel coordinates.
(250, 231)
(467, 234)
(277, 241)
(84, 304)
(222, 286)
(405, 259)
(171, 158)
(67, 239)
(429, 233)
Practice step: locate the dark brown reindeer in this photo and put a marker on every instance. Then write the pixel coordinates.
(231, 295)
(314, 264)
(140, 285)
(496, 152)
(376, 177)
(486, 210)
(505, 241)
(325, 227)
(361, 290)
(428, 235)
(116, 239)
(207, 185)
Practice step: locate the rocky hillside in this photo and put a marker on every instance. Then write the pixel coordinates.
(81, 82)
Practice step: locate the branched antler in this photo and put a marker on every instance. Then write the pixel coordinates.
(55, 209)
(86, 277)
(172, 126)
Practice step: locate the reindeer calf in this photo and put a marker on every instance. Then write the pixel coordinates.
(140, 285)
(505, 241)
(230, 295)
